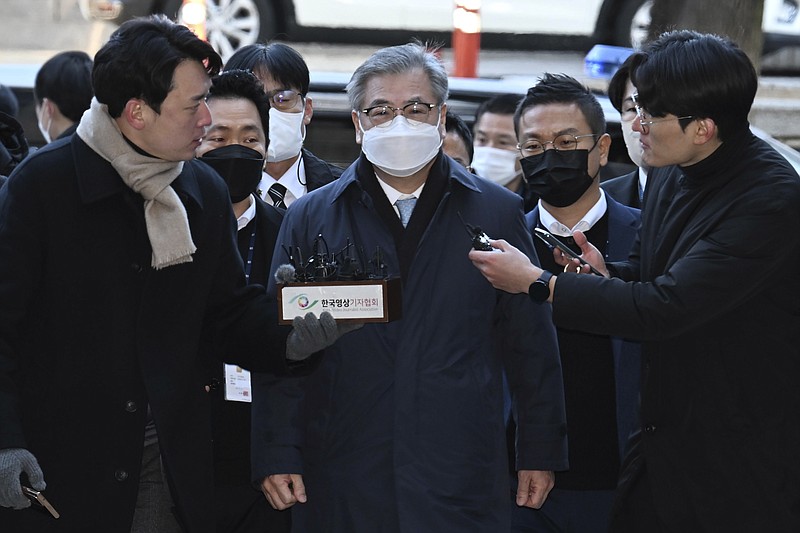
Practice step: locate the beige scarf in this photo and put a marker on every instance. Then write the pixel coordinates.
(164, 214)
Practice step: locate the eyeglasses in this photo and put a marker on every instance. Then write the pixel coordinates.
(382, 115)
(562, 143)
(284, 99)
(646, 120)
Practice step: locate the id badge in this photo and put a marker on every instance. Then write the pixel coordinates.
(237, 384)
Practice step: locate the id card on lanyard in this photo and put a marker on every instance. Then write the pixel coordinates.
(237, 379)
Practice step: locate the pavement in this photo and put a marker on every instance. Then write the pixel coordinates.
(31, 31)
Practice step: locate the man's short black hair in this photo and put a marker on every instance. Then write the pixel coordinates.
(456, 124)
(242, 84)
(686, 73)
(66, 80)
(619, 82)
(140, 58)
(502, 104)
(563, 89)
(275, 60)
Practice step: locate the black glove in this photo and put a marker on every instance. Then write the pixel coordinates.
(13, 462)
(312, 334)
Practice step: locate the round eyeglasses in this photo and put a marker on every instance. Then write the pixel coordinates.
(382, 115)
(646, 120)
(562, 143)
(284, 99)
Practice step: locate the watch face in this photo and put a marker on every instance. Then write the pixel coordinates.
(539, 291)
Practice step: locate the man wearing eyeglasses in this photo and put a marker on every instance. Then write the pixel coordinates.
(629, 188)
(563, 144)
(290, 170)
(401, 426)
(711, 289)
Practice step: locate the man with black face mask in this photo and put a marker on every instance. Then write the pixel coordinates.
(562, 140)
(235, 146)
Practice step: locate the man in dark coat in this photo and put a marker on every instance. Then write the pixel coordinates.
(118, 250)
(601, 373)
(711, 290)
(401, 426)
(291, 170)
(235, 145)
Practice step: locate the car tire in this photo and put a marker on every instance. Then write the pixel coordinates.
(256, 21)
(633, 23)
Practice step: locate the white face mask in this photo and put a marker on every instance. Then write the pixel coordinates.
(401, 148)
(495, 164)
(631, 139)
(45, 130)
(286, 134)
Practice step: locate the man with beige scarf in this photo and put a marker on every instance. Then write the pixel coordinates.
(117, 251)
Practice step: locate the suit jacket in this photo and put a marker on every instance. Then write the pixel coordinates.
(401, 427)
(90, 336)
(624, 189)
(623, 225)
(318, 172)
(241, 507)
(711, 290)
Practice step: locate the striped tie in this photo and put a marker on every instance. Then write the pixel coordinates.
(277, 192)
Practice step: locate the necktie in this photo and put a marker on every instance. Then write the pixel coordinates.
(277, 193)
(405, 206)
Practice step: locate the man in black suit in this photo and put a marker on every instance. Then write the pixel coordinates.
(235, 146)
(601, 373)
(291, 171)
(627, 189)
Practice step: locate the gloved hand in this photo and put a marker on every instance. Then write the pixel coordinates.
(312, 334)
(13, 462)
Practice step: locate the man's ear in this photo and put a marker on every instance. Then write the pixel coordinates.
(134, 113)
(705, 130)
(604, 145)
(308, 111)
(357, 126)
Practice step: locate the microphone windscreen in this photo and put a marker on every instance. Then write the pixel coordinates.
(285, 274)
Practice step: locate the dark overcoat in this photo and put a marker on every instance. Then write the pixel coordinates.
(90, 335)
(712, 291)
(401, 427)
(624, 189)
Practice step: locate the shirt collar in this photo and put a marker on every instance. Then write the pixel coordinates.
(293, 179)
(393, 194)
(642, 181)
(586, 223)
(248, 215)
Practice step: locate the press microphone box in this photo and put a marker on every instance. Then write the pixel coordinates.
(374, 300)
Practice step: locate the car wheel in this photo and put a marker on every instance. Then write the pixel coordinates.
(232, 24)
(633, 23)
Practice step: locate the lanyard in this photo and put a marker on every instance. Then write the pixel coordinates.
(248, 263)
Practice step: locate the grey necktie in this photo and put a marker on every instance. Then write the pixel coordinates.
(277, 192)
(405, 206)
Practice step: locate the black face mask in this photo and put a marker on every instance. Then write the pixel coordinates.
(558, 178)
(239, 166)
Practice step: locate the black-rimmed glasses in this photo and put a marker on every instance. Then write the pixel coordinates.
(646, 120)
(382, 115)
(562, 143)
